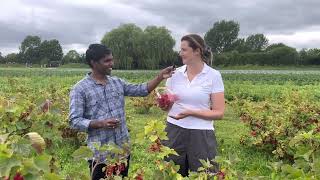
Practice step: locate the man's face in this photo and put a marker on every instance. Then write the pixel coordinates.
(104, 65)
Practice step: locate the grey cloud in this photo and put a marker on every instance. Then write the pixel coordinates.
(73, 23)
(70, 25)
(259, 16)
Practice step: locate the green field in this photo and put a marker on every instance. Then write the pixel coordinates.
(22, 87)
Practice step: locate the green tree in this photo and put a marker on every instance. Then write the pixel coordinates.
(239, 45)
(71, 57)
(134, 48)
(158, 47)
(283, 56)
(222, 35)
(51, 51)
(313, 57)
(1, 59)
(303, 56)
(256, 42)
(11, 58)
(29, 49)
(276, 45)
(82, 58)
(126, 44)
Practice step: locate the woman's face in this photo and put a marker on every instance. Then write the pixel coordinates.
(187, 54)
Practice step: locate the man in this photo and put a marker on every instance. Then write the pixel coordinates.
(97, 103)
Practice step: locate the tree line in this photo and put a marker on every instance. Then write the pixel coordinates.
(153, 48)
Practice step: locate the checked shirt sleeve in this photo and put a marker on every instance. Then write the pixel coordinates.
(77, 107)
(134, 89)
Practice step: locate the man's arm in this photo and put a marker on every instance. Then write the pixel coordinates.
(76, 107)
(145, 88)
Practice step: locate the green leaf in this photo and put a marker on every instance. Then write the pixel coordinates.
(301, 163)
(29, 167)
(32, 177)
(139, 138)
(23, 147)
(3, 137)
(51, 176)
(203, 162)
(21, 125)
(82, 153)
(12, 110)
(148, 129)
(117, 178)
(293, 172)
(316, 167)
(303, 151)
(153, 138)
(6, 163)
(165, 151)
(96, 145)
(42, 162)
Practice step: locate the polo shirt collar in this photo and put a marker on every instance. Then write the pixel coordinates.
(205, 69)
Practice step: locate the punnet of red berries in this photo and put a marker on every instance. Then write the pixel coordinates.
(165, 97)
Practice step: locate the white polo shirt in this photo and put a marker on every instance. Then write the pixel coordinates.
(194, 95)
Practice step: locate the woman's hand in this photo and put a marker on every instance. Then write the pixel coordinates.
(183, 114)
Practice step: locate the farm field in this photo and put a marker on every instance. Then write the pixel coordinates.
(271, 127)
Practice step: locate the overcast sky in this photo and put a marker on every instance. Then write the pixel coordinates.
(77, 23)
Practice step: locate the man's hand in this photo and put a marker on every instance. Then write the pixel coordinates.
(106, 123)
(110, 123)
(166, 72)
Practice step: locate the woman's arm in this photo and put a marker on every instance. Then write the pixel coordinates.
(216, 112)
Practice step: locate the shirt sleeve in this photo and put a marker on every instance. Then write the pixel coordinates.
(77, 107)
(217, 83)
(134, 89)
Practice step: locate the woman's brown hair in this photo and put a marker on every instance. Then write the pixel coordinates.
(195, 41)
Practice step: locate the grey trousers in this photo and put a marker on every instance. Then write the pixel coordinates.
(191, 145)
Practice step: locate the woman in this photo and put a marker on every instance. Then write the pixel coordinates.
(200, 94)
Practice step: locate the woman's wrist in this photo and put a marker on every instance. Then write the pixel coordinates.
(191, 112)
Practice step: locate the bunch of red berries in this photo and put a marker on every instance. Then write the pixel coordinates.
(156, 146)
(18, 176)
(165, 100)
(115, 169)
(221, 175)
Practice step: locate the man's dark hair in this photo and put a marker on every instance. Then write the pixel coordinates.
(95, 52)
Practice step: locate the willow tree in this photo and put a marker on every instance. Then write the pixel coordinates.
(134, 48)
(158, 47)
(125, 42)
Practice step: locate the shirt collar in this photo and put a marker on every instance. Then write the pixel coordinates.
(88, 76)
(205, 69)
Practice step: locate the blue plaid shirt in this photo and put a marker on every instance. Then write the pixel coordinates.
(91, 101)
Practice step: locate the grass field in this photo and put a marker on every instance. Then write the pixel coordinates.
(255, 85)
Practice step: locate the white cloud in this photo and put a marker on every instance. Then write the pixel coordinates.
(310, 38)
